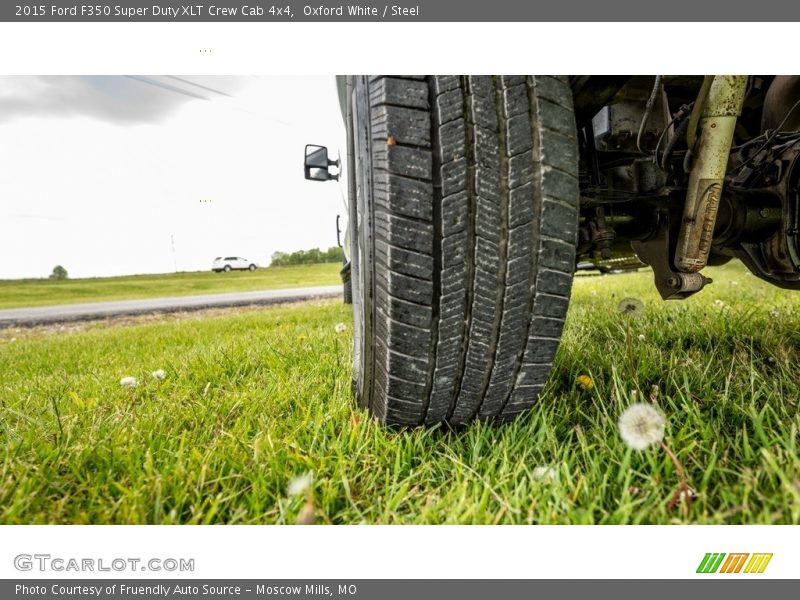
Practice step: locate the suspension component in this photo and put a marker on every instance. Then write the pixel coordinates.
(656, 251)
(717, 123)
(601, 234)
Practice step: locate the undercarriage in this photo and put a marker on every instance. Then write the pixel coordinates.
(473, 199)
(687, 171)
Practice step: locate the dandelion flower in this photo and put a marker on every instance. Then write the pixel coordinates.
(641, 426)
(128, 382)
(585, 382)
(340, 328)
(300, 484)
(159, 374)
(632, 307)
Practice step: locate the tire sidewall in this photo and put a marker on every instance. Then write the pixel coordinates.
(361, 244)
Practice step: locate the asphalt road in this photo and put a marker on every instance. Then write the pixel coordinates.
(64, 313)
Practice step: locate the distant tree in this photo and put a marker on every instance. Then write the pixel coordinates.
(279, 258)
(333, 254)
(59, 273)
(307, 257)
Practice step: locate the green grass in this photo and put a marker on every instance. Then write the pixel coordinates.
(255, 398)
(43, 292)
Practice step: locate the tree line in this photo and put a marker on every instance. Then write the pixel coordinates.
(307, 257)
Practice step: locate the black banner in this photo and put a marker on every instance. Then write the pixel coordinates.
(730, 588)
(399, 10)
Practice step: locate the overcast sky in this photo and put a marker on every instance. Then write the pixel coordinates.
(100, 174)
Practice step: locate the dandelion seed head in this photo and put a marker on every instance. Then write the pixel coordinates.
(719, 303)
(632, 307)
(340, 328)
(641, 425)
(641, 337)
(159, 374)
(300, 484)
(128, 382)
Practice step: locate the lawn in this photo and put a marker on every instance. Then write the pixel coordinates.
(43, 292)
(254, 421)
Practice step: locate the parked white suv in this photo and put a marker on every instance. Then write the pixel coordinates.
(231, 263)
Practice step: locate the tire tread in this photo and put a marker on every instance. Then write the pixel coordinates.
(475, 227)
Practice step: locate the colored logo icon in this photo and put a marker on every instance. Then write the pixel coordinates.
(742, 562)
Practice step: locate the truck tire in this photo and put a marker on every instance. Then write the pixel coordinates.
(467, 217)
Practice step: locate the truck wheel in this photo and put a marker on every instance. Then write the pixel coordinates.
(467, 213)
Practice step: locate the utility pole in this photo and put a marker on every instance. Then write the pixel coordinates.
(174, 260)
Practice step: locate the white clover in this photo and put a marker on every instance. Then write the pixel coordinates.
(340, 328)
(545, 473)
(159, 374)
(128, 382)
(300, 484)
(719, 303)
(641, 426)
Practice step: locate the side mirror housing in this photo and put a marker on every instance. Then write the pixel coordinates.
(317, 165)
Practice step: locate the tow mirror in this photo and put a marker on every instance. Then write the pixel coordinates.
(317, 164)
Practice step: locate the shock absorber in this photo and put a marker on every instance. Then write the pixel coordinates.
(717, 123)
